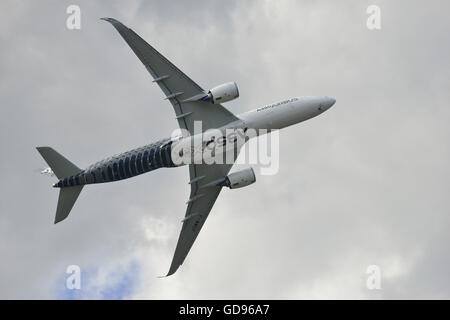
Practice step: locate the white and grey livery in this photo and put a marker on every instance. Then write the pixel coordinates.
(191, 103)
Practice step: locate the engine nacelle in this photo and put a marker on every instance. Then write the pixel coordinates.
(223, 93)
(240, 179)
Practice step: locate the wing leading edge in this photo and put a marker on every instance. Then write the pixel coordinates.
(177, 87)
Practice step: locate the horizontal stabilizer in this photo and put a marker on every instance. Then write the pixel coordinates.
(60, 166)
(66, 200)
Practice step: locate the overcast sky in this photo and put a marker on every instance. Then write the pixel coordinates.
(366, 183)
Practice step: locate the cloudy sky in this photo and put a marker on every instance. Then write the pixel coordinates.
(366, 183)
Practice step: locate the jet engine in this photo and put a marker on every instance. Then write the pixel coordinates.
(240, 179)
(223, 93)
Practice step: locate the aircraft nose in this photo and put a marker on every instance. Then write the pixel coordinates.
(330, 102)
(327, 103)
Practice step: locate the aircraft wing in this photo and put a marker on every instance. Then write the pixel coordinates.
(177, 87)
(185, 96)
(200, 203)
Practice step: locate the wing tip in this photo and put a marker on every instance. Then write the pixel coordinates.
(167, 275)
(111, 20)
(172, 270)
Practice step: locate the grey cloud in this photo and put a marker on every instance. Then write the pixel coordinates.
(365, 183)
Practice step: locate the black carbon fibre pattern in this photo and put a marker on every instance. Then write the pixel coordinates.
(125, 165)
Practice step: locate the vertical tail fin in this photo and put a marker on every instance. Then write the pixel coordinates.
(62, 168)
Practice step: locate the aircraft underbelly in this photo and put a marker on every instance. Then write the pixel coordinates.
(124, 165)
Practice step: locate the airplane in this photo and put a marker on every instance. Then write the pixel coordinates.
(191, 104)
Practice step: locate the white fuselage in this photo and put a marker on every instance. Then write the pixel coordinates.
(203, 146)
(285, 113)
(269, 117)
